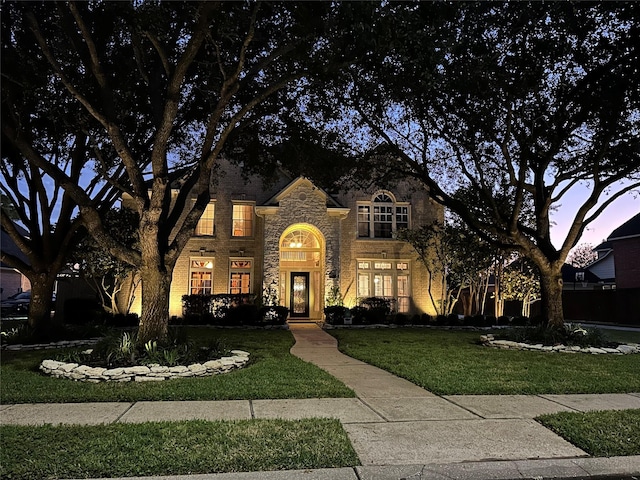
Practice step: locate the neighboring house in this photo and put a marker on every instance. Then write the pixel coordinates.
(603, 267)
(576, 278)
(615, 296)
(618, 262)
(11, 280)
(625, 243)
(296, 242)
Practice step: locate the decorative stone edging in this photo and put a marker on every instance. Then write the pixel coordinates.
(624, 349)
(143, 373)
(43, 346)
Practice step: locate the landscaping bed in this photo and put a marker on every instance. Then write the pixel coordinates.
(273, 373)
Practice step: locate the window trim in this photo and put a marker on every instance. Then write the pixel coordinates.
(376, 267)
(212, 205)
(204, 269)
(369, 225)
(241, 270)
(252, 219)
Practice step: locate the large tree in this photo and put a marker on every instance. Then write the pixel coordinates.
(519, 104)
(162, 85)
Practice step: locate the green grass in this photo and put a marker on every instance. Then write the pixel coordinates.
(601, 434)
(172, 448)
(452, 363)
(272, 373)
(622, 336)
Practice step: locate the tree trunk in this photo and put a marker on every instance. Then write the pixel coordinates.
(154, 322)
(551, 293)
(39, 318)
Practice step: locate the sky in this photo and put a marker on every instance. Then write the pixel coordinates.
(621, 210)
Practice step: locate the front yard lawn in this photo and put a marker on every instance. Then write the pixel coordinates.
(601, 434)
(453, 363)
(273, 373)
(177, 448)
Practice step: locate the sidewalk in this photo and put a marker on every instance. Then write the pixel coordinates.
(397, 429)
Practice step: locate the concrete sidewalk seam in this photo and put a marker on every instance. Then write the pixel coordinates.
(117, 420)
(372, 409)
(541, 395)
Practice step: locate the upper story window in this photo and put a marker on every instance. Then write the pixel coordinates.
(206, 224)
(382, 216)
(242, 225)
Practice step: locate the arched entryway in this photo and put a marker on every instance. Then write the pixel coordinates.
(302, 252)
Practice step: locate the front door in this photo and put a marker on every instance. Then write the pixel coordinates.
(299, 294)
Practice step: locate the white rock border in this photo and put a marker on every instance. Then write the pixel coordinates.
(144, 373)
(623, 349)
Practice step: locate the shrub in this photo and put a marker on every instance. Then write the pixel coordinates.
(441, 320)
(220, 309)
(571, 335)
(273, 315)
(375, 309)
(401, 319)
(123, 350)
(334, 315)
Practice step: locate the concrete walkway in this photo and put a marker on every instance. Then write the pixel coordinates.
(398, 430)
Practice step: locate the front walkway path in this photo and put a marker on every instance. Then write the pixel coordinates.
(420, 427)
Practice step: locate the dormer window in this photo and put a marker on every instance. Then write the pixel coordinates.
(382, 216)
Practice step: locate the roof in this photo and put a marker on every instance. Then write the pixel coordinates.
(603, 246)
(569, 274)
(631, 228)
(331, 202)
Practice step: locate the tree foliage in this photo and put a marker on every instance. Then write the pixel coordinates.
(161, 91)
(113, 280)
(455, 258)
(582, 255)
(518, 103)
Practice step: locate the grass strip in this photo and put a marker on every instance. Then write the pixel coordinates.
(601, 434)
(273, 373)
(172, 448)
(453, 363)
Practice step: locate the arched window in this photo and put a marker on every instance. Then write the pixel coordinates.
(382, 216)
(300, 248)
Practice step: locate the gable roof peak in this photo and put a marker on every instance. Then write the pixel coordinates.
(630, 228)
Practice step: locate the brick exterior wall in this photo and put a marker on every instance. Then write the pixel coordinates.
(626, 254)
(291, 204)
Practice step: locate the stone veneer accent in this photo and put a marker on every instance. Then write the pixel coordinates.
(623, 349)
(144, 373)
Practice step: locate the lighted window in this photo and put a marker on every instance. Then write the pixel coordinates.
(242, 220)
(364, 220)
(201, 276)
(299, 248)
(382, 216)
(240, 276)
(385, 279)
(205, 226)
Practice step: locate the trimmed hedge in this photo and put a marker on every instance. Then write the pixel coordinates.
(230, 309)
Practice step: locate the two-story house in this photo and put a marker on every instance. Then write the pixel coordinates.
(296, 242)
